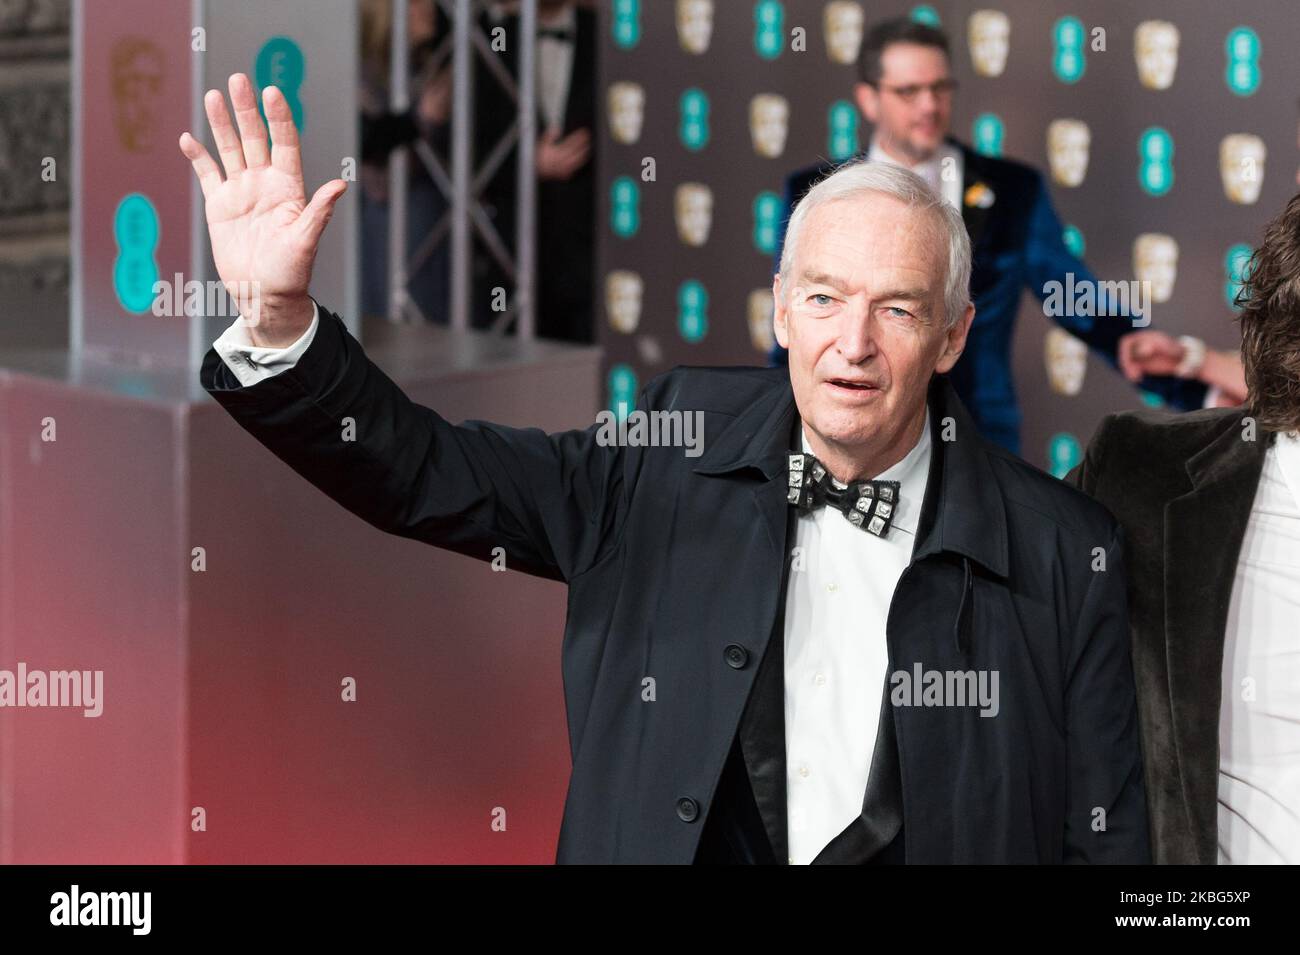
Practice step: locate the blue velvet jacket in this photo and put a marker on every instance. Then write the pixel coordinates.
(1016, 243)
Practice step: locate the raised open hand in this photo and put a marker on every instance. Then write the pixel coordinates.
(264, 233)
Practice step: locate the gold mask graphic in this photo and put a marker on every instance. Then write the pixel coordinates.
(769, 117)
(1155, 44)
(1067, 360)
(842, 23)
(693, 204)
(988, 32)
(626, 104)
(761, 309)
(1067, 150)
(623, 290)
(137, 66)
(694, 25)
(1241, 165)
(1155, 260)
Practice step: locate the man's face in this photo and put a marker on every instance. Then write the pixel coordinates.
(913, 126)
(864, 320)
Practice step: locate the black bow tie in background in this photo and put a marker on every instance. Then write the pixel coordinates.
(867, 504)
(556, 33)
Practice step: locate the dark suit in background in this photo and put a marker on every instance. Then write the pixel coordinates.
(566, 209)
(1016, 244)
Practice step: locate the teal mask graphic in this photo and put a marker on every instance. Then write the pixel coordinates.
(624, 207)
(1242, 71)
(1063, 453)
(692, 310)
(1156, 168)
(842, 142)
(1068, 38)
(767, 215)
(1151, 399)
(280, 63)
(694, 124)
(135, 230)
(769, 33)
(1235, 264)
(1073, 240)
(988, 132)
(924, 13)
(626, 25)
(622, 390)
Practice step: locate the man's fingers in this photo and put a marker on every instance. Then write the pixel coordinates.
(318, 212)
(286, 154)
(205, 167)
(251, 128)
(223, 133)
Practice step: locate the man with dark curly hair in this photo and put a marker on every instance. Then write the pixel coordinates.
(1210, 506)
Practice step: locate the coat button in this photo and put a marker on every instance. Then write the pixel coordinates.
(688, 810)
(737, 656)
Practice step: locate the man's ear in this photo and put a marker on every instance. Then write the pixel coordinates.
(868, 101)
(955, 341)
(779, 314)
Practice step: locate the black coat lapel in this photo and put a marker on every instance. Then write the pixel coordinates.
(1203, 534)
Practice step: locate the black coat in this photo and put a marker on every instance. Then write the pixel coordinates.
(676, 566)
(1182, 486)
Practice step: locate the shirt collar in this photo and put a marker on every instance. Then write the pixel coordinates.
(911, 473)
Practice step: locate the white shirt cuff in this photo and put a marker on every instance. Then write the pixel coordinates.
(253, 363)
(1212, 395)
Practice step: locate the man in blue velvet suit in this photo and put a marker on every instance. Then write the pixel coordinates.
(906, 93)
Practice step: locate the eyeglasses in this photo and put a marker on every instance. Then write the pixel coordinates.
(942, 89)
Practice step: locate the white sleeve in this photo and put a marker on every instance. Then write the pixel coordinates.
(252, 363)
(1212, 395)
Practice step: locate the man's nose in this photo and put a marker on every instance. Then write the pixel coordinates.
(857, 340)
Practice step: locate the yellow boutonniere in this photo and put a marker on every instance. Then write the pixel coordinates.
(979, 195)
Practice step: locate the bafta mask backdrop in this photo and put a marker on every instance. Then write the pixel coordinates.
(1067, 360)
(1241, 165)
(694, 25)
(989, 34)
(623, 292)
(769, 118)
(1155, 260)
(842, 22)
(693, 204)
(731, 98)
(626, 106)
(138, 66)
(761, 309)
(1067, 149)
(1155, 43)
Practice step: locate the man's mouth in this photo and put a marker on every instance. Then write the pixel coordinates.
(855, 385)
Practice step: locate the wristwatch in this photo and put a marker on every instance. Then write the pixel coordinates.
(1193, 356)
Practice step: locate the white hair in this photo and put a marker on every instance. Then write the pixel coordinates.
(858, 178)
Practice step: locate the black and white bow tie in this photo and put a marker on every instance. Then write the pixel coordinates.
(867, 504)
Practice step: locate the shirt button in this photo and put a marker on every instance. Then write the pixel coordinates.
(803, 770)
(820, 679)
(831, 587)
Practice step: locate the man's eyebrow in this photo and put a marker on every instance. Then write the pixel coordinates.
(906, 294)
(823, 278)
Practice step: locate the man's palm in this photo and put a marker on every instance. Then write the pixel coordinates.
(264, 233)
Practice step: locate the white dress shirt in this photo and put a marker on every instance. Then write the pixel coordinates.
(931, 170)
(1259, 716)
(836, 657)
(555, 69)
(251, 363)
